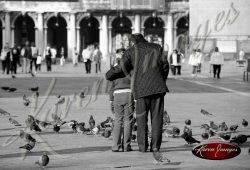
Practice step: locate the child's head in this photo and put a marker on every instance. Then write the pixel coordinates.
(119, 53)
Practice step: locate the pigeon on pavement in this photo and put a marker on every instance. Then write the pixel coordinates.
(189, 139)
(188, 122)
(12, 89)
(214, 126)
(91, 122)
(166, 118)
(234, 127)
(26, 100)
(244, 122)
(27, 137)
(206, 113)
(29, 146)
(223, 126)
(34, 89)
(43, 161)
(60, 101)
(35, 127)
(240, 139)
(5, 88)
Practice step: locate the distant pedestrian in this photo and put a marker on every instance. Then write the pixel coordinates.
(34, 51)
(193, 60)
(97, 55)
(47, 54)
(199, 56)
(241, 54)
(175, 62)
(27, 55)
(39, 62)
(15, 55)
(75, 56)
(53, 55)
(5, 58)
(217, 60)
(87, 55)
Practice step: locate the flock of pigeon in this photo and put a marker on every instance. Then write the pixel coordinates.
(210, 131)
(105, 128)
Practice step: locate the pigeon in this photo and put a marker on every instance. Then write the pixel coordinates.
(159, 157)
(91, 122)
(4, 112)
(13, 76)
(35, 127)
(223, 126)
(43, 161)
(42, 124)
(166, 118)
(107, 133)
(73, 124)
(225, 136)
(29, 146)
(81, 94)
(172, 131)
(36, 94)
(56, 128)
(29, 120)
(96, 130)
(189, 139)
(188, 122)
(214, 126)
(5, 88)
(14, 122)
(60, 101)
(12, 89)
(205, 126)
(234, 127)
(206, 113)
(212, 132)
(240, 139)
(26, 100)
(34, 89)
(58, 120)
(244, 123)
(80, 127)
(187, 130)
(133, 137)
(27, 137)
(108, 120)
(205, 135)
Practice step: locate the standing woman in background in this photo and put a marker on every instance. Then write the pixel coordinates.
(217, 61)
(5, 58)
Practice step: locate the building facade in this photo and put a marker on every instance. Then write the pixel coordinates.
(77, 23)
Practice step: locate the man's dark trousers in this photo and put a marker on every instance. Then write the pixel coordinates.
(154, 104)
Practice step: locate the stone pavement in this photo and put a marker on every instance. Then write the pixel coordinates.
(77, 151)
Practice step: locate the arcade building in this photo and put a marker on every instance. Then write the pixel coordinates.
(78, 23)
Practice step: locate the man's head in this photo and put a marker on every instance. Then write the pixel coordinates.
(136, 38)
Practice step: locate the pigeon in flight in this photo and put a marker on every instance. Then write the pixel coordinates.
(27, 137)
(14, 122)
(34, 89)
(43, 161)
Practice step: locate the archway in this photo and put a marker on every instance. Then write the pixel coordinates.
(121, 29)
(57, 34)
(24, 30)
(154, 31)
(89, 32)
(182, 33)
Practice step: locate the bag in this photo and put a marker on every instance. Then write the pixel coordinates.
(3, 55)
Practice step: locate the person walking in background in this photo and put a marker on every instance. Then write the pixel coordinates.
(15, 59)
(199, 56)
(27, 55)
(87, 57)
(34, 51)
(122, 101)
(241, 54)
(149, 74)
(75, 57)
(97, 54)
(217, 60)
(175, 62)
(193, 60)
(39, 62)
(53, 55)
(47, 54)
(5, 58)
(62, 58)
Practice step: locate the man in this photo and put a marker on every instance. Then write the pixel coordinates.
(87, 57)
(27, 55)
(15, 58)
(149, 75)
(97, 58)
(48, 54)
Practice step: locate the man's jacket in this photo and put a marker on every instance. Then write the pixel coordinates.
(149, 66)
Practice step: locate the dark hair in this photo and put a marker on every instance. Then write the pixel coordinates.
(198, 50)
(216, 49)
(120, 50)
(136, 38)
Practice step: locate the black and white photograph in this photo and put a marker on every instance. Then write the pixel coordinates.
(124, 84)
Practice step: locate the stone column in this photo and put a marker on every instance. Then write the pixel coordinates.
(39, 33)
(169, 38)
(137, 25)
(12, 36)
(3, 40)
(110, 39)
(7, 29)
(72, 35)
(104, 37)
(78, 39)
(174, 37)
(45, 36)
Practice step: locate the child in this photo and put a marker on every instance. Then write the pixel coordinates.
(62, 61)
(39, 62)
(122, 106)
